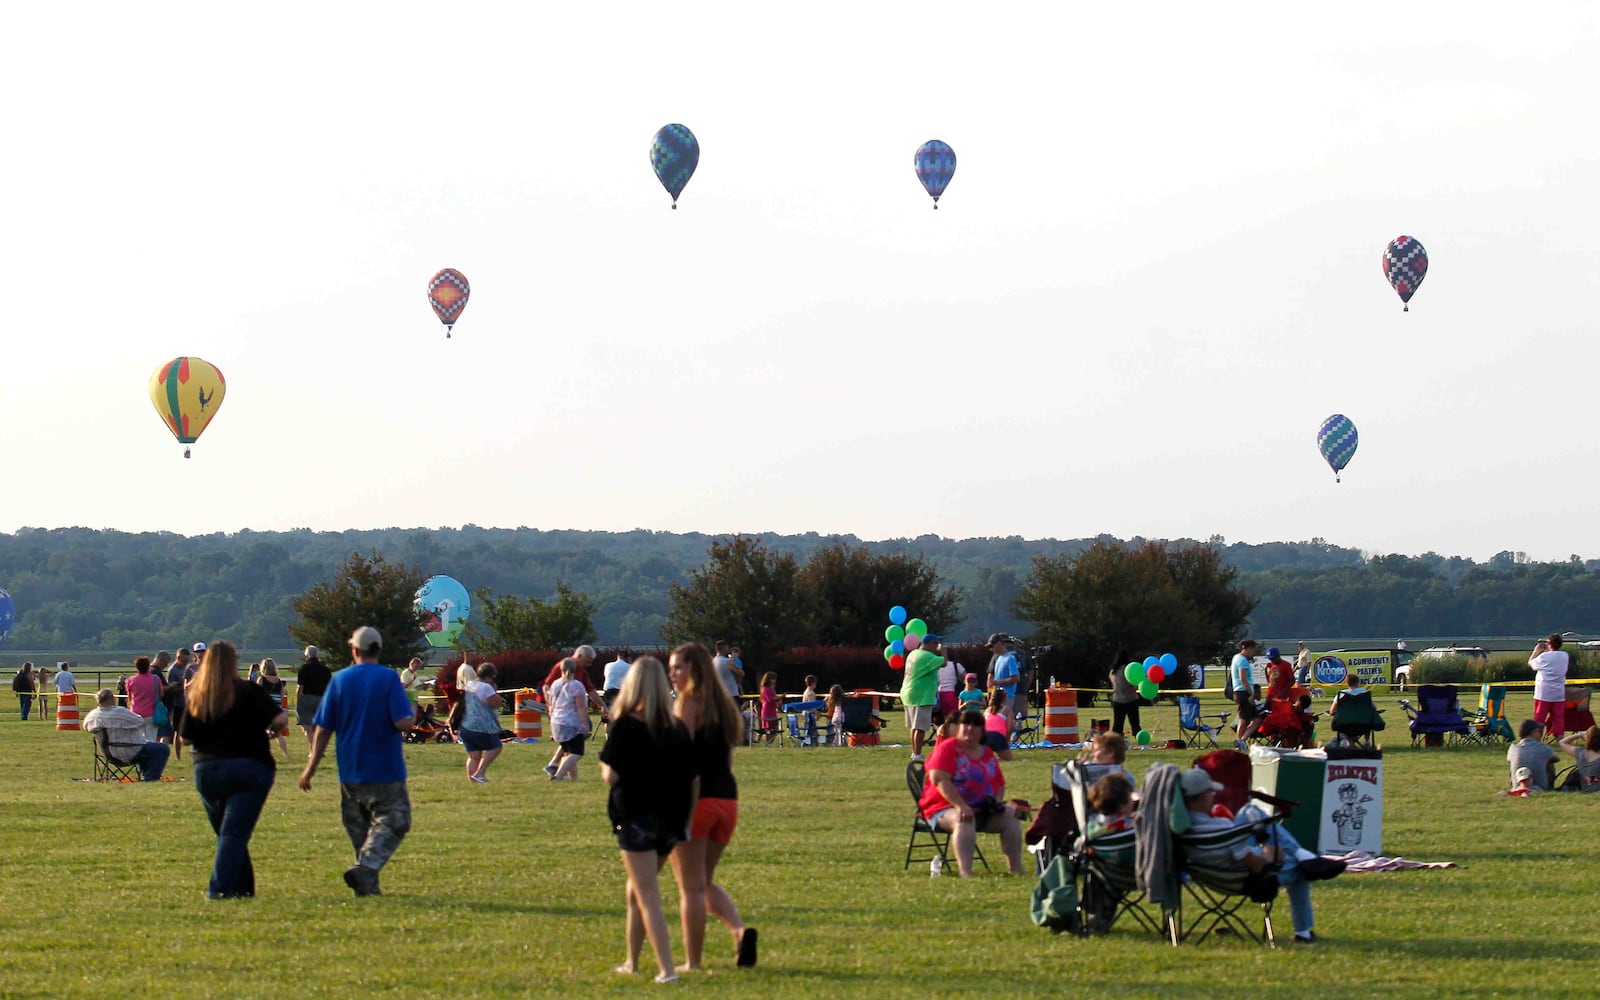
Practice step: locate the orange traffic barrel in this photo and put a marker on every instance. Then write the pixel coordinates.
(525, 715)
(67, 710)
(1061, 716)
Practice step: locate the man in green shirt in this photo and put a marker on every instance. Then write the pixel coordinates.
(919, 691)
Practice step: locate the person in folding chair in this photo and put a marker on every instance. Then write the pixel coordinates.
(965, 794)
(1299, 867)
(125, 737)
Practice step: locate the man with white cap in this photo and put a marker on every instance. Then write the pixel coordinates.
(1299, 866)
(367, 706)
(310, 683)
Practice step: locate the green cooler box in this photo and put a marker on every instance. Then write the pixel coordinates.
(1340, 795)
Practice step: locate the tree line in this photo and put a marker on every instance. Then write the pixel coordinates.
(81, 588)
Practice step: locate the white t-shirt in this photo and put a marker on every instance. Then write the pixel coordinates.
(950, 676)
(616, 672)
(65, 682)
(1550, 675)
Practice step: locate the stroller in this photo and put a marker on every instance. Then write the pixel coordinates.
(426, 728)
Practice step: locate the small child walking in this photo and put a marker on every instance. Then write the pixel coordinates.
(769, 706)
(834, 707)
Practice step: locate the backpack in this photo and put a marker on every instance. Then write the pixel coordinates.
(1055, 898)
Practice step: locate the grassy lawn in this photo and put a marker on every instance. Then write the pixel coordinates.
(515, 889)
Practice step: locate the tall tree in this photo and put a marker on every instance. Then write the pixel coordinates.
(742, 593)
(365, 591)
(1115, 602)
(852, 591)
(513, 622)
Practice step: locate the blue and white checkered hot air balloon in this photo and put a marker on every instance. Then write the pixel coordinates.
(1336, 439)
(674, 153)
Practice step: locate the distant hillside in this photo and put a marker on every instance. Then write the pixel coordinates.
(79, 588)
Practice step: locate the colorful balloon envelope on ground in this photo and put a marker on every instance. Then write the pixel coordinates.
(674, 153)
(442, 607)
(448, 292)
(1336, 439)
(936, 164)
(1405, 264)
(187, 392)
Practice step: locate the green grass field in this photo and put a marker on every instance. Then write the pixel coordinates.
(515, 889)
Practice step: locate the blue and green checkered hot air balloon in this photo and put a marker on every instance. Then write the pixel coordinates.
(936, 164)
(1336, 439)
(674, 153)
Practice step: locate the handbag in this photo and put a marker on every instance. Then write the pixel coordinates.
(161, 718)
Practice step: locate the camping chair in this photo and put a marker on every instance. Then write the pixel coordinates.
(802, 717)
(860, 727)
(1489, 724)
(1437, 718)
(107, 767)
(1282, 726)
(1109, 885)
(1191, 726)
(1356, 718)
(924, 836)
(1220, 890)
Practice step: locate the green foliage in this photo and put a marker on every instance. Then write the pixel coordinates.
(743, 593)
(1113, 603)
(512, 622)
(367, 590)
(852, 590)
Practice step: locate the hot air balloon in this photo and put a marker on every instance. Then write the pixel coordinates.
(1405, 264)
(448, 292)
(442, 607)
(8, 615)
(674, 153)
(936, 164)
(187, 392)
(1336, 439)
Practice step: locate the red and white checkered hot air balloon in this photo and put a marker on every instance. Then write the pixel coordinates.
(1405, 264)
(448, 292)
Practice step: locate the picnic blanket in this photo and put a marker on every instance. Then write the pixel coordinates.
(1361, 861)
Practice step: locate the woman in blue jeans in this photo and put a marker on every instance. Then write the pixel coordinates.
(228, 722)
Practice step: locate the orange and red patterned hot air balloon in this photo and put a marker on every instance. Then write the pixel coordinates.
(187, 392)
(448, 292)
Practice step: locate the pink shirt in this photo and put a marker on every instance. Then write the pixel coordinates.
(769, 704)
(144, 690)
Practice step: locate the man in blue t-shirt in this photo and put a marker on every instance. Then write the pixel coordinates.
(1005, 675)
(1240, 673)
(367, 706)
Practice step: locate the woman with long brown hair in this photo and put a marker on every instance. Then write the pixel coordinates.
(716, 727)
(227, 721)
(647, 763)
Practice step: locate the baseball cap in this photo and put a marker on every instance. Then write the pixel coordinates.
(198, 647)
(972, 677)
(1522, 774)
(365, 637)
(995, 637)
(933, 637)
(1272, 652)
(1196, 781)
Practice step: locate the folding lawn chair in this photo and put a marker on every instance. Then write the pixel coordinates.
(1488, 724)
(1437, 717)
(1104, 863)
(1356, 718)
(928, 842)
(1191, 724)
(107, 767)
(860, 727)
(1579, 718)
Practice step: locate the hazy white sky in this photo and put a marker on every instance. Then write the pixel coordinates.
(1155, 271)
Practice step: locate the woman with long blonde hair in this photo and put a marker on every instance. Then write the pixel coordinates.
(715, 727)
(276, 688)
(647, 763)
(227, 721)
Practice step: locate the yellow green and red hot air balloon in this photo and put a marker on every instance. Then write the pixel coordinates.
(187, 392)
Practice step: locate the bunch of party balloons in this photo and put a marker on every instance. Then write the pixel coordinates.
(904, 634)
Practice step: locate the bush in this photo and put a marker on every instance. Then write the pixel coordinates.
(1506, 667)
(1442, 670)
(527, 668)
(851, 667)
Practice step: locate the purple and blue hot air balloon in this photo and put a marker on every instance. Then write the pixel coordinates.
(1405, 264)
(674, 153)
(1336, 439)
(936, 164)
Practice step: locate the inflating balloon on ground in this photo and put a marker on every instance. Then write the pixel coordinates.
(442, 607)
